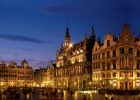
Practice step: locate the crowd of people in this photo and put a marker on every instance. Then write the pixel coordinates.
(28, 93)
(109, 96)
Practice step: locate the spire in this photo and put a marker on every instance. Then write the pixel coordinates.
(67, 31)
(67, 37)
(92, 31)
(126, 28)
(92, 35)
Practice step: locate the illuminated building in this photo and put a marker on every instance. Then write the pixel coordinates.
(45, 76)
(40, 76)
(25, 74)
(73, 63)
(13, 75)
(50, 75)
(116, 63)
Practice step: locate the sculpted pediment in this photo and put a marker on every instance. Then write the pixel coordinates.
(126, 39)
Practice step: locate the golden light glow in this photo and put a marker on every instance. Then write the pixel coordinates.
(70, 45)
(90, 83)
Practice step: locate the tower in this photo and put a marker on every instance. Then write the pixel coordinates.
(67, 39)
(126, 29)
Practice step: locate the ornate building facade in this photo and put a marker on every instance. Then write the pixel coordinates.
(50, 75)
(40, 77)
(116, 63)
(45, 76)
(13, 75)
(73, 63)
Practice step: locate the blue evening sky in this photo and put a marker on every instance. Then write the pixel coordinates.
(33, 29)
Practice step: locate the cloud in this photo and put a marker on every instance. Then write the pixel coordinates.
(61, 9)
(31, 60)
(22, 38)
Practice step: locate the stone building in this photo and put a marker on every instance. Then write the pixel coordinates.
(50, 82)
(14, 75)
(40, 77)
(116, 63)
(73, 63)
(45, 76)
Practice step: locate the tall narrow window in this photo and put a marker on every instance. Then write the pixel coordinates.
(103, 56)
(114, 64)
(98, 64)
(108, 66)
(103, 66)
(130, 50)
(130, 62)
(138, 53)
(138, 64)
(138, 75)
(108, 43)
(114, 53)
(121, 50)
(121, 62)
(108, 54)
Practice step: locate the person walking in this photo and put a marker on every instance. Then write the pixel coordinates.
(112, 96)
(106, 96)
(139, 96)
(89, 97)
(84, 97)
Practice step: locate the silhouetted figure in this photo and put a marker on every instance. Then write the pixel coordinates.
(106, 96)
(89, 97)
(84, 98)
(112, 97)
(139, 96)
